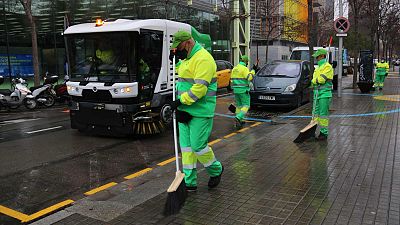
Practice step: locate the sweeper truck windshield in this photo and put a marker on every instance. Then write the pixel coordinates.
(102, 57)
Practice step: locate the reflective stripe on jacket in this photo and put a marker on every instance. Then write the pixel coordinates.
(197, 83)
(240, 78)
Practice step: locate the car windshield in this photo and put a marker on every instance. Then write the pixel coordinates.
(280, 69)
(301, 55)
(101, 57)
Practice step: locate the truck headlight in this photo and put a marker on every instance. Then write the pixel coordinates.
(290, 88)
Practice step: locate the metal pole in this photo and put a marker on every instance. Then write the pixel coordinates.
(340, 55)
(8, 43)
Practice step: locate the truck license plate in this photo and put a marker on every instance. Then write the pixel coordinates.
(99, 106)
(263, 97)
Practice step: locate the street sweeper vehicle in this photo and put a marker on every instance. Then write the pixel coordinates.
(121, 78)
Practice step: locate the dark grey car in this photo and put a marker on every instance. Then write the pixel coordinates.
(282, 83)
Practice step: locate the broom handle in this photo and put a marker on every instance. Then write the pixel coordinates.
(173, 115)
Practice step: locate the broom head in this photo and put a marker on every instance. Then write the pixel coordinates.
(232, 108)
(176, 195)
(307, 132)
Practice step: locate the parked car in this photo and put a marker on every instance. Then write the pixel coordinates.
(224, 69)
(282, 83)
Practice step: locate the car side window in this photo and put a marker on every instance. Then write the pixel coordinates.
(306, 70)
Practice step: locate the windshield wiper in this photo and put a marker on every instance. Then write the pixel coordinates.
(274, 75)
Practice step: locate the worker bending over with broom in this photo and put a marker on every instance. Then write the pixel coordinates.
(240, 81)
(197, 90)
(322, 84)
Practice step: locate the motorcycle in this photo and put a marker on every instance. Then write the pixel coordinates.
(44, 94)
(21, 95)
(61, 93)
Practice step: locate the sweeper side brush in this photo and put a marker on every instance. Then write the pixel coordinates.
(147, 126)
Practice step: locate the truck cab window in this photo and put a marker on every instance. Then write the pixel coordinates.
(149, 60)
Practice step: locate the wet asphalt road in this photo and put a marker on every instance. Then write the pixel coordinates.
(43, 161)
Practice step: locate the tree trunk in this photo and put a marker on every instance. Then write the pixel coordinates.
(355, 69)
(310, 37)
(266, 52)
(35, 56)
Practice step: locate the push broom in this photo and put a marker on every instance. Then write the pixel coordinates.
(308, 131)
(177, 190)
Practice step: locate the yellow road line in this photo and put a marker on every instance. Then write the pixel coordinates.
(48, 210)
(163, 163)
(256, 124)
(243, 129)
(230, 135)
(214, 142)
(137, 174)
(101, 188)
(12, 213)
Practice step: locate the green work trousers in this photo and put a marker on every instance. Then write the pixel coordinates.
(321, 112)
(379, 80)
(242, 105)
(193, 140)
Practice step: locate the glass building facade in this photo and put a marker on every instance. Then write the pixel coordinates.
(51, 16)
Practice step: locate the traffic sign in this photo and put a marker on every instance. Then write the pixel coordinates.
(341, 25)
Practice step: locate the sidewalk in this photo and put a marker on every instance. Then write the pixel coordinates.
(353, 178)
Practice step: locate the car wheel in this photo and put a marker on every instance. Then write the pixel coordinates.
(299, 101)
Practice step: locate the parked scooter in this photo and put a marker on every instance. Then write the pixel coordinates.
(21, 95)
(60, 90)
(44, 94)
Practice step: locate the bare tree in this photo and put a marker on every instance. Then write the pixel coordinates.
(271, 21)
(27, 4)
(356, 6)
(324, 24)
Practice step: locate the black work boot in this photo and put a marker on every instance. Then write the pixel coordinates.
(214, 181)
(238, 123)
(322, 137)
(191, 189)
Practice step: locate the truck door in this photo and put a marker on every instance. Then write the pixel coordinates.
(149, 62)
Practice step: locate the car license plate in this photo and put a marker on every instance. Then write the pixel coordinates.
(263, 97)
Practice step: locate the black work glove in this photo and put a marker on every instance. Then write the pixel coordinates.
(182, 116)
(175, 104)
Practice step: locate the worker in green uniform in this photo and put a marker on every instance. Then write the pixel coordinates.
(382, 68)
(322, 84)
(195, 107)
(240, 82)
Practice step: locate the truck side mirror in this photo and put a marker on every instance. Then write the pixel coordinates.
(334, 64)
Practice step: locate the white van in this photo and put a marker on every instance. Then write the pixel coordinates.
(302, 53)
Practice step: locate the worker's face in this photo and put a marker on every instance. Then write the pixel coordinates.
(181, 50)
(320, 57)
(182, 46)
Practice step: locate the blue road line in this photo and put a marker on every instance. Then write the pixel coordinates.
(332, 116)
(309, 117)
(246, 118)
(358, 94)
